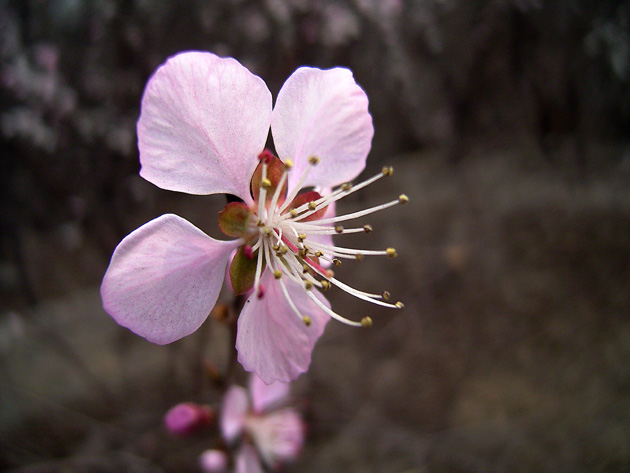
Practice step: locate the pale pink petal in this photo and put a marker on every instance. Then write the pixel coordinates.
(265, 395)
(322, 113)
(204, 120)
(272, 341)
(279, 435)
(164, 278)
(247, 461)
(235, 407)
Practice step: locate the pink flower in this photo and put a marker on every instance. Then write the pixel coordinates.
(202, 130)
(276, 431)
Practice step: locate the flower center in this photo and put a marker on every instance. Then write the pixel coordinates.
(289, 236)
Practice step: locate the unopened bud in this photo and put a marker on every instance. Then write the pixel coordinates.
(213, 461)
(187, 418)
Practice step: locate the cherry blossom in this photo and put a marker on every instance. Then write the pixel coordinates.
(260, 418)
(203, 127)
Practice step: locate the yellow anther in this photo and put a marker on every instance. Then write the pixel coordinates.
(266, 183)
(387, 170)
(277, 274)
(308, 285)
(314, 160)
(288, 164)
(366, 322)
(319, 254)
(293, 213)
(307, 320)
(359, 256)
(267, 231)
(337, 262)
(339, 229)
(399, 305)
(275, 247)
(312, 205)
(346, 186)
(403, 199)
(305, 268)
(301, 237)
(302, 252)
(391, 252)
(386, 295)
(367, 228)
(283, 249)
(325, 285)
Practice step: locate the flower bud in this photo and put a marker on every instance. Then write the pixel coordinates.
(213, 461)
(187, 418)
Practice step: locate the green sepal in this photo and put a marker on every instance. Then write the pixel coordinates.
(234, 218)
(243, 270)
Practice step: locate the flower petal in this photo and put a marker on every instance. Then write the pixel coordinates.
(322, 113)
(235, 406)
(247, 460)
(164, 278)
(266, 395)
(204, 121)
(271, 339)
(278, 435)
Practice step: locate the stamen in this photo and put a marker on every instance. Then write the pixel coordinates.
(343, 191)
(312, 161)
(387, 170)
(262, 192)
(360, 213)
(282, 236)
(276, 195)
(347, 252)
(373, 298)
(332, 314)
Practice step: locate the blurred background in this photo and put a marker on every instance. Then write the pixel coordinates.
(507, 122)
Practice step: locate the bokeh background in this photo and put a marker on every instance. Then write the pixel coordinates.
(507, 123)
